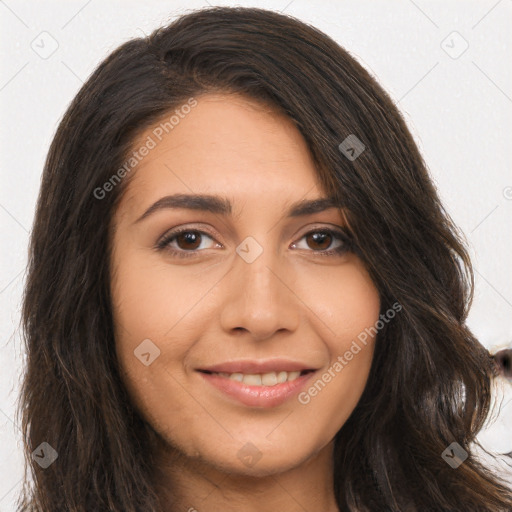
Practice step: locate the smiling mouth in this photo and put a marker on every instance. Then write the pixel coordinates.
(261, 379)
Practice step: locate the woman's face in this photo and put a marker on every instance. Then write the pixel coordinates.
(236, 335)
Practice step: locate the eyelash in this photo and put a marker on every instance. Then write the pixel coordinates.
(346, 246)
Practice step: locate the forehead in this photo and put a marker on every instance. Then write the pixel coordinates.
(225, 144)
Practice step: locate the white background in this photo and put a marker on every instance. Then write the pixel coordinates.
(459, 110)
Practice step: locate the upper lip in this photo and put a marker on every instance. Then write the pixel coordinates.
(255, 366)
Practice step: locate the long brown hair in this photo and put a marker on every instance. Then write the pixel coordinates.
(429, 384)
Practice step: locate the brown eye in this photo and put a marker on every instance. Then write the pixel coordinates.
(188, 240)
(322, 240)
(325, 242)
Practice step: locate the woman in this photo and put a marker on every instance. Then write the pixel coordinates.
(243, 291)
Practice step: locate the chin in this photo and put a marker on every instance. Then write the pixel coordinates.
(252, 458)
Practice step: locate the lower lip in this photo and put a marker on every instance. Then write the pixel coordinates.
(257, 396)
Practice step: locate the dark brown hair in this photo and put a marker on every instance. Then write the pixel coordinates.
(430, 379)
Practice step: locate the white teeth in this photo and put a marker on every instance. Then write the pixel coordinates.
(265, 379)
(282, 377)
(269, 379)
(293, 375)
(252, 379)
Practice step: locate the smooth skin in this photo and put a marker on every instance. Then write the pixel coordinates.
(212, 306)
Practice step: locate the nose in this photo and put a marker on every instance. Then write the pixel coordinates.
(260, 298)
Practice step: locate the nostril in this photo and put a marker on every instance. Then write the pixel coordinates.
(503, 360)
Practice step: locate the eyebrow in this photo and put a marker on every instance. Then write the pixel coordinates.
(222, 206)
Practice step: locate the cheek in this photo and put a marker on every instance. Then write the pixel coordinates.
(344, 299)
(331, 398)
(164, 304)
(153, 299)
(347, 306)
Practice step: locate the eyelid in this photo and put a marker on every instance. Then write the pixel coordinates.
(338, 232)
(324, 227)
(170, 234)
